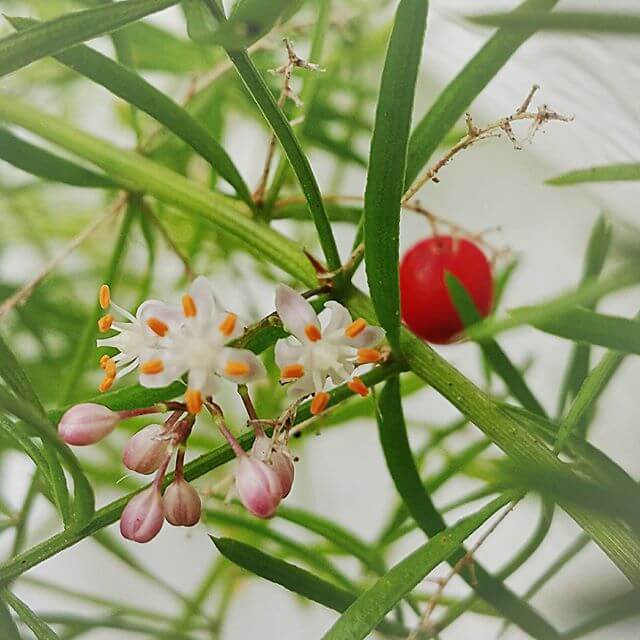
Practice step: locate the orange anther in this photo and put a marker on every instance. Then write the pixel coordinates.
(104, 360)
(157, 326)
(357, 386)
(104, 323)
(109, 367)
(188, 306)
(227, 326)
(152, 367)
(312, 332)
(292, 372)
(106, 384)
(319, 402)
(234, 368)
(193, 400)
(104, 296)
(368, 356)
(355, 328)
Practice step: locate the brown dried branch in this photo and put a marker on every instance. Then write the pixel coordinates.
(495, 129)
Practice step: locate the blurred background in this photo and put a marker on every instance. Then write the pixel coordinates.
(342, 471)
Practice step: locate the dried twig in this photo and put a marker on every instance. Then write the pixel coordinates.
(425, 624)
(294, 61)
(474, 134)
(21, 296)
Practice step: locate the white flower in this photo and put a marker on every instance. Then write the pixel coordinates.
(141, 339)
(197, 348)
(313, 353)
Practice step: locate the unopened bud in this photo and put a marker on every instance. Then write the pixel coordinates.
(87, 423)
(282, 464)
(146, 450)
(258, 486)
(182, 504)
(143, 517)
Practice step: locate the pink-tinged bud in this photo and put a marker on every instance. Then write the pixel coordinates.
(182, 504)
(143, 517)
(146, 450)
(258, 486)
(87, 423)
(282, 464)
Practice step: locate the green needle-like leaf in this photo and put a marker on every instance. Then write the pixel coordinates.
(41, 630)
(135, 90)
(607, 173)
(465, 87)
(492, 351)
(371, 607)
(44, 164)
(579, 21)
(48, 38)
(8, 627)
(585, 326)
(387, 162)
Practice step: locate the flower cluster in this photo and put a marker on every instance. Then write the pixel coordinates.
(191, 342)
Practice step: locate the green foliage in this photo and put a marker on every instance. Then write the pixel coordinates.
(175, 203)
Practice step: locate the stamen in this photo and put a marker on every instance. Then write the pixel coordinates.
(319, 402)
(355, 328)
(234, 368)
(109, 367)
(193, 400)
(292, 372)
(104, 296)
(104, 360)
(157, 326)
(106, 384)
(357, 386)
(188, 306)
(104, 323)
(312, 332)
(368, 356)
(152, 367)
(227, 326)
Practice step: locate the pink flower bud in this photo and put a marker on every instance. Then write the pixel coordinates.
(282, 464)
(143, 517)
(182, 504)
(258, 486)
(146, 450)
(276, 456)
(87, 423)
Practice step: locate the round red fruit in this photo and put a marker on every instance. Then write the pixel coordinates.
(426, 305)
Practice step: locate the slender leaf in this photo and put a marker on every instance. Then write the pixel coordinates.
(465, 87)
(387, 162)
(288, 576)
(138, 92)
(579, 21)
(371, 607)
(492, 351)
(250, 21)
(41, 630)
(267, 104)
(13, 374)
(44, 164)
(395, 444)
(585, 326)
(8, 628)
(578, 367)
(608, 173)
(626, 606)
(17, 50)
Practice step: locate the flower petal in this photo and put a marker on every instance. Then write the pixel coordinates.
(295, 312)
(169, 373)
(370, 337)
(170, 315)
(240, 365)
(286, 353)
(340, 317)
(301, 387)
(202, 294)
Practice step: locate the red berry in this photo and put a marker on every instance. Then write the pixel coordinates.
(426, 305)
